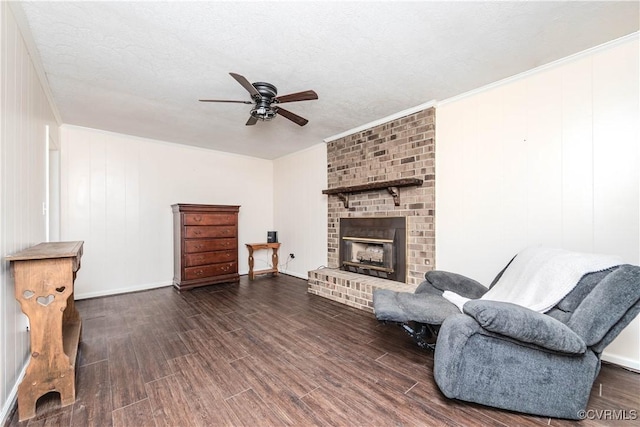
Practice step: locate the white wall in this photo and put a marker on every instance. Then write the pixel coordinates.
(550, 158)
(300, 209)
(117, 193)
(25, 113)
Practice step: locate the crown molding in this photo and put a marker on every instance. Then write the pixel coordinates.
(383, 120)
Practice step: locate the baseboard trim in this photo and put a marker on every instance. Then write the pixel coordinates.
(147, 286)
(625, 362)
(138, 288)
(11, 404)
(294, 274)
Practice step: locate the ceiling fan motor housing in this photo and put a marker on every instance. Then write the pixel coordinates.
(267, 90)
(262, 109)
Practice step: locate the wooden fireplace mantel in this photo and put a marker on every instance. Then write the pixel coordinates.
(392, 187)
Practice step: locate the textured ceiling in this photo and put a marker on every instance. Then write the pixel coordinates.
(139, 68)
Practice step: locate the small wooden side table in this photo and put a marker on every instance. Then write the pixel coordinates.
(43, 277)
(274, 258)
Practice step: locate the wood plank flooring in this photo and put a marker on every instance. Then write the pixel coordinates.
(266, 353)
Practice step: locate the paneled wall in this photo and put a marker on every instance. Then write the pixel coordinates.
(300, 209)
(549, 158)
(25, 113)
(117, 192)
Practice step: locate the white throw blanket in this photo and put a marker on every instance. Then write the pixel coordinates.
(538, 278)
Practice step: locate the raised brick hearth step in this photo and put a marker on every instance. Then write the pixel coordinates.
(352, 289)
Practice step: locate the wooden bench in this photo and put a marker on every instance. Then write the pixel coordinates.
(44, 275)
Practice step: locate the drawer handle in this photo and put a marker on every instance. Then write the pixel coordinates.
(197, 232)
(197, 218)
(198, 246)
(199, 273)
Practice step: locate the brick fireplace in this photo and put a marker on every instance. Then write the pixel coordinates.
(399, 151)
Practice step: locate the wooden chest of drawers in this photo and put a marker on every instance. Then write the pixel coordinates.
(205, 242)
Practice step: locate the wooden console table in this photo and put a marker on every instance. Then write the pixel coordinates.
(274, 258)
(43, 277)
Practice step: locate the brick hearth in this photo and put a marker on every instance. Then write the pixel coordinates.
(352, 289)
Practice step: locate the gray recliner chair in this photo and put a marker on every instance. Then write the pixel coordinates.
(507, 356)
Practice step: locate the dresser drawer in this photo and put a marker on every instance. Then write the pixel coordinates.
(202, 245)
(203, 258)
(204, 271)
(209, 219)
(192, 231)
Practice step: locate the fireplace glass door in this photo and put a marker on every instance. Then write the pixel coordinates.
(373, 254)
(374, 246)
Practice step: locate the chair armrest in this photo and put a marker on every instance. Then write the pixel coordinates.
(446, 281)
(525, 325)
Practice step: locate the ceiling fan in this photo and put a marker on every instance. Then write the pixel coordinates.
(265, 100)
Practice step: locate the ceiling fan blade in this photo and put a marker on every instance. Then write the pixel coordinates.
(252, 121)
(291, 116)
(224, 100)
(246, 84)
(307, 95)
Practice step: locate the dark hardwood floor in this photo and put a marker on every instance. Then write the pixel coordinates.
(266, 353)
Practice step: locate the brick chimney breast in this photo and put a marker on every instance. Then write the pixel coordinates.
(399, 149)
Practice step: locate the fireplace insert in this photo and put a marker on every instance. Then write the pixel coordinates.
(374, 246)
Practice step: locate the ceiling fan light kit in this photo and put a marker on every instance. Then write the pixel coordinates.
(263, 113)
(263, 95)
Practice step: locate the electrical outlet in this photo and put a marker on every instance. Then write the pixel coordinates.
(292, 256)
